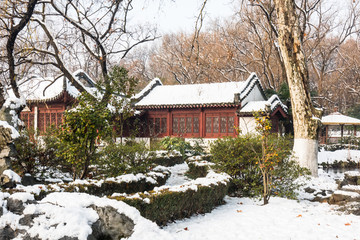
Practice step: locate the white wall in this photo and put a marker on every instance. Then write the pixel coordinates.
(247, 125)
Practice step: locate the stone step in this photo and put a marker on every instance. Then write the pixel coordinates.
(342, 197)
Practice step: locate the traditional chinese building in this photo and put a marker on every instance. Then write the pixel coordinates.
(47, 99)
(336, 126)
(206, 110)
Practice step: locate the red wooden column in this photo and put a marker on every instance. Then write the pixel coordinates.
(202, 123)
(354, 130)
(236, 123)
(169, 123)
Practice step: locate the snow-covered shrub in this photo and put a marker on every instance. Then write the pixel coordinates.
(82, 129)
(179, 144)
(168, 158)
(128, 183)
(166, 204)
(35, 155)
(198, 166)
(131, 157)
(239, 157)
(196, 171)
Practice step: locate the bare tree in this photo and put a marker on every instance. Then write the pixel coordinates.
(14, 16)
(306, 118)
(103, 30)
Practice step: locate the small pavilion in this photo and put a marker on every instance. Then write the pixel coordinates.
(337, 126)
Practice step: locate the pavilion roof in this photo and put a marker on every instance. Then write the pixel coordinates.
(337, 118)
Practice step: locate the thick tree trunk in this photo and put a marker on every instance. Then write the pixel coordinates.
(305, 117)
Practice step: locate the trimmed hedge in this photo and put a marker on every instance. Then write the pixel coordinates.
(109, 187)
(168, 158)
(340, 164)
(166, 206)
(199, 166)
(196, 171)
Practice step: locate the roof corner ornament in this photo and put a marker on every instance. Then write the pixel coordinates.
(237, 98)
(267, 108)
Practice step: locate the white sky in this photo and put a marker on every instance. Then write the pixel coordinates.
(178, 15)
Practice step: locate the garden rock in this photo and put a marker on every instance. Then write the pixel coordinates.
(309, 190)
(351, 178)
(6, 182)
(28, 219)
(28, 180)
(7, 233)
(111, 224)
(7, 149)
(344, 197)
(15, 206)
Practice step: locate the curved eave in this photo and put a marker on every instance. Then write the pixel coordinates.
(276, 109)
(214, 105)
(52, 99)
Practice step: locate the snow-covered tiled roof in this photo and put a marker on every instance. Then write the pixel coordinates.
(337, 118)
(37, 89)
(254, 106)
(157, 94)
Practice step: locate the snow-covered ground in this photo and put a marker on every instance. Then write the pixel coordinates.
(243, 218)
(339, 155)
(238, 218)
(177, 176)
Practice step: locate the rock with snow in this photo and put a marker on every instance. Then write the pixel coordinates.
(7, 149)
(7, 233)
(111, 224)
(343, 197)
(76, 216)
(28, 180)
(9, 179)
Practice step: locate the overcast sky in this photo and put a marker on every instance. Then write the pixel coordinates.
(179, 15)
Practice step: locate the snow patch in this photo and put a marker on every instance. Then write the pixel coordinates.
(12, 175)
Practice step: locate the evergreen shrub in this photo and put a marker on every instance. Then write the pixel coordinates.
(196, 170)
(239, 157)
(36, 155)
(179, 144)
(168, 206)
(130, 157)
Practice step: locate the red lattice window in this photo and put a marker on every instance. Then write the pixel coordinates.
(175, 125)
(163, 125)
(216, 124)
(151, 127)
(189, 125)
(59, 117)
(182, 125)
(231, 124)
(41, 123)
(157, 125)
(223, 123)
(208, 124)
(196, 125)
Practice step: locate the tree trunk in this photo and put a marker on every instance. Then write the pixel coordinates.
(305, 117)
